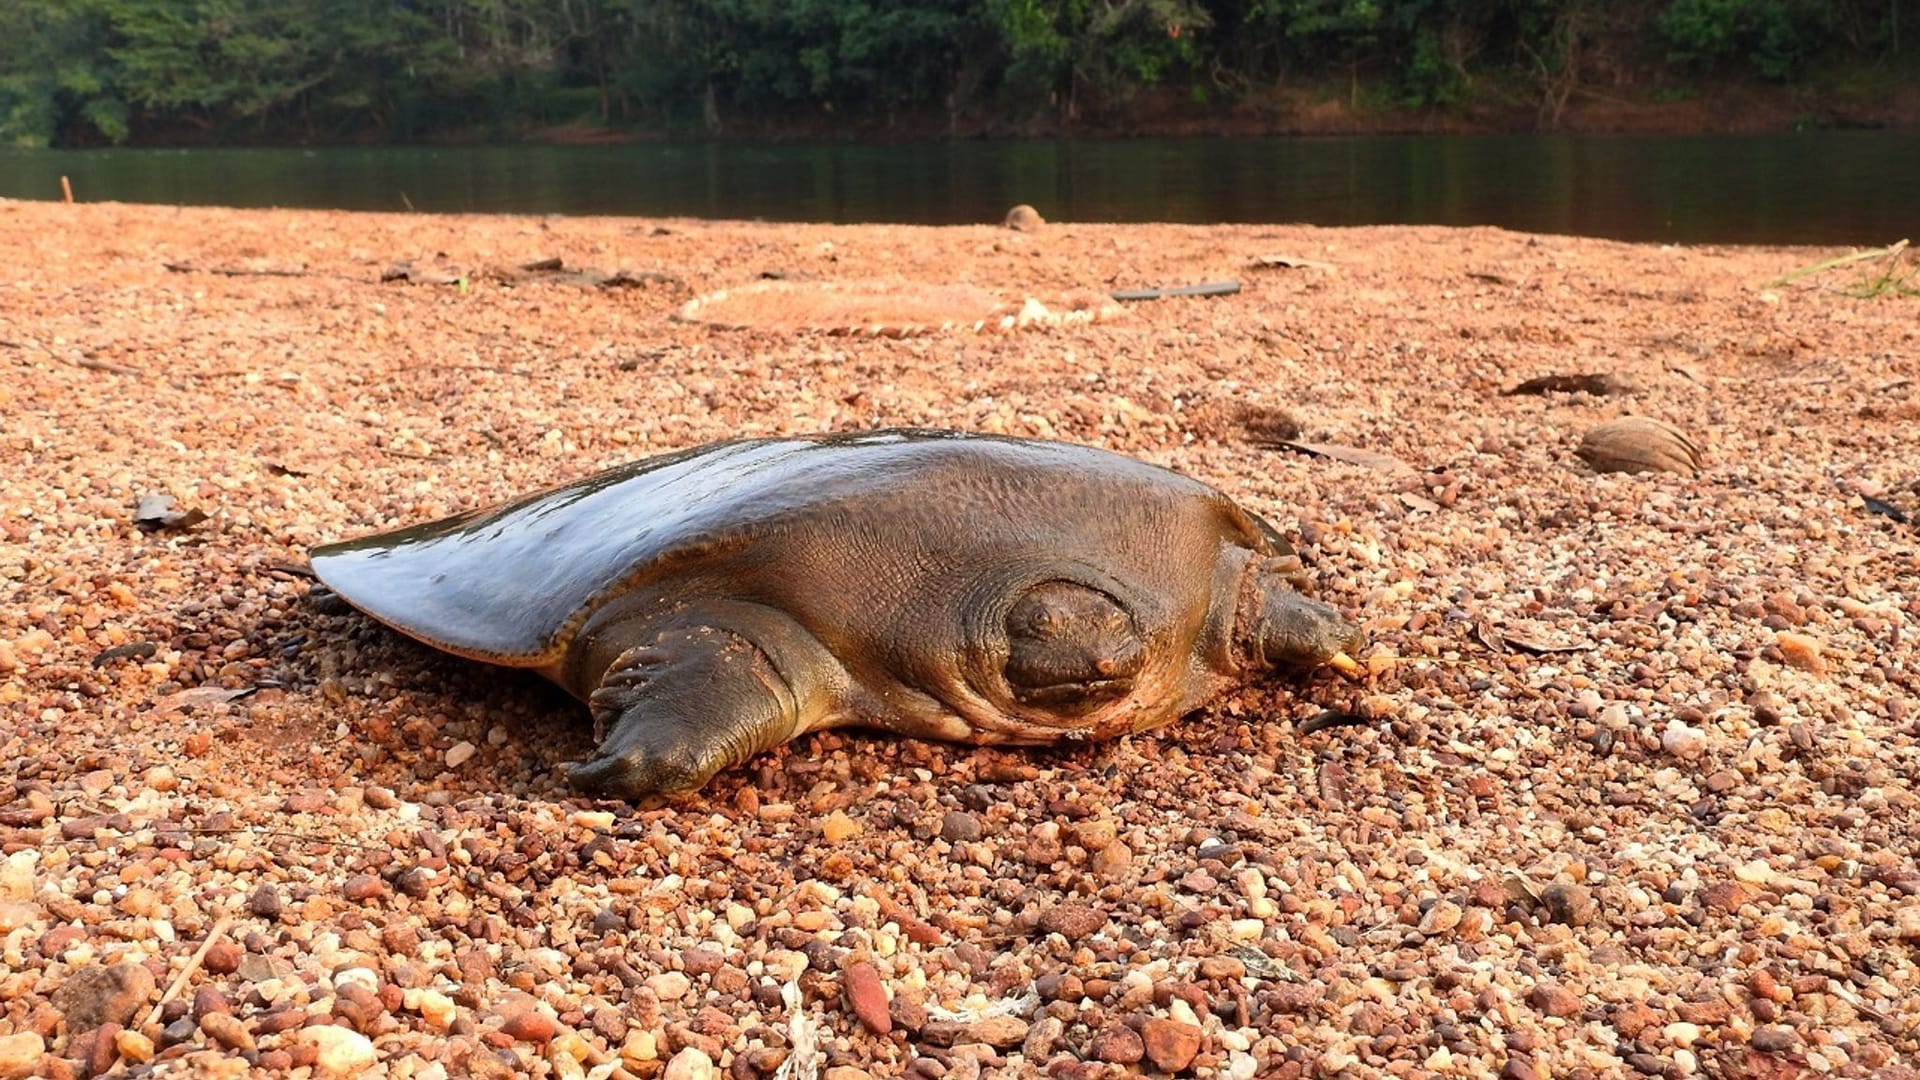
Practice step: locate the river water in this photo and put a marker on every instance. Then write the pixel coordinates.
(1807, 188)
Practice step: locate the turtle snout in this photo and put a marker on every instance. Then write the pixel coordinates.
(1295, 632)
(1071, 648)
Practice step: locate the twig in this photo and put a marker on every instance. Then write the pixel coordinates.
(288, 834)
(233, 271)
(193, 965)
(478, 367)
(66, 191)
(106, 365)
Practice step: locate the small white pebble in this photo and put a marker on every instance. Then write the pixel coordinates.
(691, 1063)
(338, 1051)
(461, 753)
(670, 985)
(1682, 741)
(1681, 1033)
(1246, 929)
(433, 1006)
(364, 977)
(1336, 1061)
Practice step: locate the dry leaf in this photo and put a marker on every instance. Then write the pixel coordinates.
(200, 697)
(160, 511)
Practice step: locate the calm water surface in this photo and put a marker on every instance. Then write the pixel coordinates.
(1825, 188)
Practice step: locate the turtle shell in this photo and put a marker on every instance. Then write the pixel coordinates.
(511, 584)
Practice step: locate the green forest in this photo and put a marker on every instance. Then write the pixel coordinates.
(95, 72)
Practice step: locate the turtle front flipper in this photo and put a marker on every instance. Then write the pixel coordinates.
(705, 693)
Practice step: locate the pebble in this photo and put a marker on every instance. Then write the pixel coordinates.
(639, 1048)
(958, 826)
(1073, 921)
(1683, 742)
(182, 1030)
(460, 753)
(360, 1007)
(364, 888)
(1000, 1032)
(1573, 905)
(337, 1050)
(20, 1053)
(1441, 918)
(1802, 651)
(134, 1046)
(1223, 968)
(1680, 1033)
(436, 1008)
(1553, 999)
(839, 828)
(1046, 1033)
(868, 998)
(100, 994)
(99, 1048)
(227, 1030)
(207, 1000)
(1169, 1044)
(691, 1063)
(670, 985)
(223, 957)
(18, 915)
(530, 1026)
(1118, 1044)
(265, 902)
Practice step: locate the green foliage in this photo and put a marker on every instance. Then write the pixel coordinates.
(1430, 78)
(1776, 37)
(76, 72)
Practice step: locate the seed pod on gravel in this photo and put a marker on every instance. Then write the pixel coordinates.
(1634, 444)
(1023, 218)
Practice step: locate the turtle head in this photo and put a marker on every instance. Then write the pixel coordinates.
(1070, 648)
(1279, 628)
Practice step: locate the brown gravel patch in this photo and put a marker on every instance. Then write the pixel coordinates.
(1638, 795)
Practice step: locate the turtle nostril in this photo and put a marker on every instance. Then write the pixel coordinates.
(1105, 666)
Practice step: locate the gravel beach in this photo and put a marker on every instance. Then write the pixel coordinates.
(1635, 794)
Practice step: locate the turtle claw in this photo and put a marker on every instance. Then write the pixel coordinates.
(693, 700)
(635, 774)
(643, 750)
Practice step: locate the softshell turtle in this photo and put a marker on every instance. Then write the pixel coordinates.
(713, 603)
